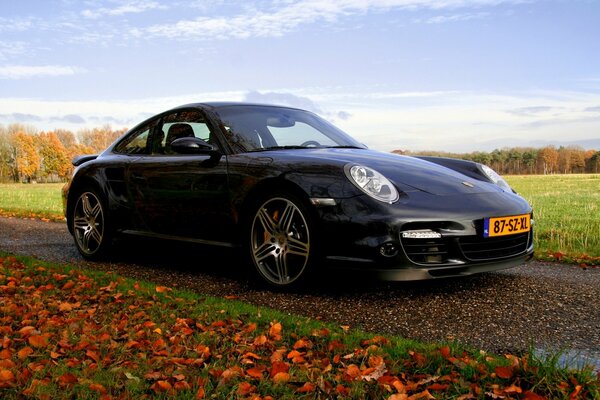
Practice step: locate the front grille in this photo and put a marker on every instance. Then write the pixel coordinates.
(461, 249)
(481, 249)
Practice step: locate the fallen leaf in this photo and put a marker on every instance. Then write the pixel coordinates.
(245, 388)
(504, 372)
(308, 387)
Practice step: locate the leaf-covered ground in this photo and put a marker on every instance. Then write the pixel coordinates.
(71, 333)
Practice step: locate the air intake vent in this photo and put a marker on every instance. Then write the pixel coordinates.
(482, 249)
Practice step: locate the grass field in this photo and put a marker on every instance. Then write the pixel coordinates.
(41, 200)
(567, 214)
(566, 208)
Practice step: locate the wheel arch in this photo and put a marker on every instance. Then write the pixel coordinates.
(271, 185)
(75, 189)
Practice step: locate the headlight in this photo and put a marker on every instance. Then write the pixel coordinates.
(494, 177)
(372, 183)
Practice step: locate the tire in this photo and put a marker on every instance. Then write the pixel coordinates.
(89, 225)
(281, 240)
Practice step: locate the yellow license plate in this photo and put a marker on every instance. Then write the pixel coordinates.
(502, 226)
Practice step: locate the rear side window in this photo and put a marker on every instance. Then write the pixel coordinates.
(186, 123)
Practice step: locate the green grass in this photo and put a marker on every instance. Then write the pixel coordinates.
(566, 208)
(74, 333)
(41, 200)
(567, 214)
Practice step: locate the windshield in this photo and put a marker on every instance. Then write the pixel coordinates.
(260, 128)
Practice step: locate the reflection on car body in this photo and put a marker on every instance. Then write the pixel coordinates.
(290, 190)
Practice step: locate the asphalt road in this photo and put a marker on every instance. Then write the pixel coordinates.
(548, 306)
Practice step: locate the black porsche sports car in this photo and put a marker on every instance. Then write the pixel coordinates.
(290, 190)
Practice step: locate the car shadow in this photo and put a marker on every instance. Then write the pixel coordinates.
(187, 263)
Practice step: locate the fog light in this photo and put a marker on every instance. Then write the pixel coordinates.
(388, 250)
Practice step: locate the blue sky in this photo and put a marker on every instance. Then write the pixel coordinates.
(455, 75)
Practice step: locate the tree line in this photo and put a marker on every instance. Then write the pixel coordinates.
(28, 155)
(529, 160)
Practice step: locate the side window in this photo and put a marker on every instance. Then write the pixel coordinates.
(137, 142)
(187, 123)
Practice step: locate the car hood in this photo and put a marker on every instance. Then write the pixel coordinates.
(408, 173)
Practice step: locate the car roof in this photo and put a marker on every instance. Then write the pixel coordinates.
(211, 105)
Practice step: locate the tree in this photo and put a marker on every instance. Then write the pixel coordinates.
(54, 156)
(548, 160)
(99, 138)
(26, 159)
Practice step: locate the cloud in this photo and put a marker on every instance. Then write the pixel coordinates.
(70, 118)
(16, 24)
(20, 117)
(285, 99)
(130, 7)
(33, 71)
(440, 19)
(530, 111)
(12, 49)
(592, 109)
(278, 21)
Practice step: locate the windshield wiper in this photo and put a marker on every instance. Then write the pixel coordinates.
(345, 147)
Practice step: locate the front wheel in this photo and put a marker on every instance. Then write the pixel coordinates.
(89, 225)
(281, 240)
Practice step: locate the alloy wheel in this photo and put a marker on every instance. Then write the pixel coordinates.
(88, 223)
(280, 241)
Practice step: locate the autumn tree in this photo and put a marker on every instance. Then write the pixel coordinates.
(548, 160)
(54, 156)
(25, 158)
(5, 169)
(99, 139)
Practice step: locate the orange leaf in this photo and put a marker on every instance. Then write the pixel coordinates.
(68, 285)
(532, 396)
(93, 355)
(200, 394)
(423, 395)
(438, 387)
(182, 385)
(6, 376)
(163, 289)
(513, 389)
(277, 367)
(307, 388)
(302, 344)
(252, 355)
(24, 352)
(38, 341)
(5, 354)
(445, 351)
(504, 372)
(353, 371)
(67, 380)
(260, 340)
(275, 331)
(161, 386)
(398, 396)
(96, 387)
(255, 373)
(245, 389)
(281, 377)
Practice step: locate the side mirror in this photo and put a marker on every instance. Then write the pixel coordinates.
(193, 145)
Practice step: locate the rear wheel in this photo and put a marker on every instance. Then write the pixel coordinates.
(89, 225)
(281, 240)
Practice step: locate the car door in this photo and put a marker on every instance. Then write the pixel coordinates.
(182, 195)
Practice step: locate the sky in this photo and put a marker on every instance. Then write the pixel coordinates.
(445, 75)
